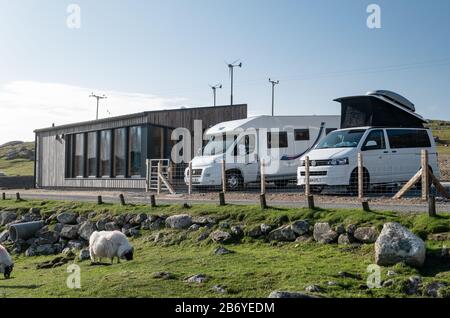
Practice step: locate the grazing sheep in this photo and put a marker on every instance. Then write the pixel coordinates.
(6, 263)
(110, 244)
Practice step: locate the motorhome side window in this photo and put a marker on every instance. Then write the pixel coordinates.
(408, 138)
(301, 134)
(277, 139)
(375, 140)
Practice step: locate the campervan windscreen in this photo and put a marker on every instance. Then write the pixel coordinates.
(342, 139)
(218, 145)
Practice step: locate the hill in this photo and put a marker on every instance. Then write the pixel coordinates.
(17, 158)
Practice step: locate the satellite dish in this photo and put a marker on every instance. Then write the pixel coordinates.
(397, 98)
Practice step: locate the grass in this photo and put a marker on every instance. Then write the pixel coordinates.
(441, 129)
(16, 167)
(254, 270)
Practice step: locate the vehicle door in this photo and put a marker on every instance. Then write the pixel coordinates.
(376, 156)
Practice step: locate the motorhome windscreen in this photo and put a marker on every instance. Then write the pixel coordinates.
(342, 139)
(218, 144)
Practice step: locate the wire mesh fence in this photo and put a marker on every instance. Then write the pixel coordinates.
(411, 175)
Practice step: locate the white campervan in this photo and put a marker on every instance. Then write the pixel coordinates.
(279, 141)
(391, 154)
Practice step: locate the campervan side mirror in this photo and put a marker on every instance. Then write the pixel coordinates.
(372, 144)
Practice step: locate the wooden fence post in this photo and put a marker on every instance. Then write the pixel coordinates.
(3, 196)
(365, 206)
(190, 178)
(18, 196)
(147, 174)
(360, 176)
(222, 199)
(307, 175)
(224, 177)
(425, 175)
(159, 179)
(262, 177)
(432, 206)
(122, 199)
(153, 201)
(311, 204)
(99, 200)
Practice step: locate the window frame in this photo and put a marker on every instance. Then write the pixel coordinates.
(366, 140)
(280, 133)
(392, 144)
(302, 131)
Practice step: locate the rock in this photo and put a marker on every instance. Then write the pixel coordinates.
(162, 275)
(287, 294)
(388, 283)
(434, 289)
(7, 217)
(4, 236)
(222, 251)
(182, 221)
(313, 289)
(58, 227)
(324, 234)
(30, 217)
(69, 232)
(300, 227)
(75, 245)
(304, 239)
(67, 218)
(445, 252)
(345, 239)
(46, 237)
(31, 251)
(351, 228)
(132, 232)
(203, 236)
(112, 226)
(154, 225)
(237, 230)
(68, 252)
(220, 236)
(265, 229)
(101, 224)
(349, 275)
(391, 273)
(92, 215)
(81, 219)
(138, 219)
(366, 235)
(35, 211)
(255, 232)
(219, 289)
(397, 244)
(197, 279)
(121, 220)
(339, 229)
(194, 227)
(332, 283)
(412, 285)
(439, 237)
(46, 249)
(282, 234)
(84, 254)
(202, 220)
(86, 229)
(224, 225)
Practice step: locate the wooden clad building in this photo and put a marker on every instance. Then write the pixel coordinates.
(111, 153)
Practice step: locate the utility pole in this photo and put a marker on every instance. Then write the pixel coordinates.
(273, 94)
(214, 88)
(231, 68)
(98, 100)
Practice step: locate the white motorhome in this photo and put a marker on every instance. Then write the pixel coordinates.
(277, 141)
(390, 142)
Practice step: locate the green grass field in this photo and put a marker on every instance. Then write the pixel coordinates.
(16, 167)
(441, 129)
(254, 270)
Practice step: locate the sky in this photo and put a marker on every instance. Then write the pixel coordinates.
(161, 54)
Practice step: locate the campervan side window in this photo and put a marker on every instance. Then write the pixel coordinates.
(408, 138)
(281, 137)
(301, 134)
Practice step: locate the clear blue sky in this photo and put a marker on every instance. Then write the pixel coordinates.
(172, 49)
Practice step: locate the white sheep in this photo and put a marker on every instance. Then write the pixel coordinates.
(110, 244)
(6, 263)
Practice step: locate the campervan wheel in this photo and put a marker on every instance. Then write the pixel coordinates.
(234, 181)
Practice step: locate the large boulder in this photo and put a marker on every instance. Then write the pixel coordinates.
(181, 221)
(67, 218)
(282, 234)
(287, 294)
(86, 229)
(7, 217)
(220, 236)
(69, 232)
(397, 244)
(300, 227)
(366, 235)
(138, 219)
(324, 234)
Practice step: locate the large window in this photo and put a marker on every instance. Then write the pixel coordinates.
(120, 158)
(277, 140)
(374, 141)
(105, 153)
(134, 153)
(157, 142)
(78, 162)
(408, 138)
(92, 156)
(342, 139)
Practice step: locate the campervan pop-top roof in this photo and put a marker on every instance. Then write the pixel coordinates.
(379, 108)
